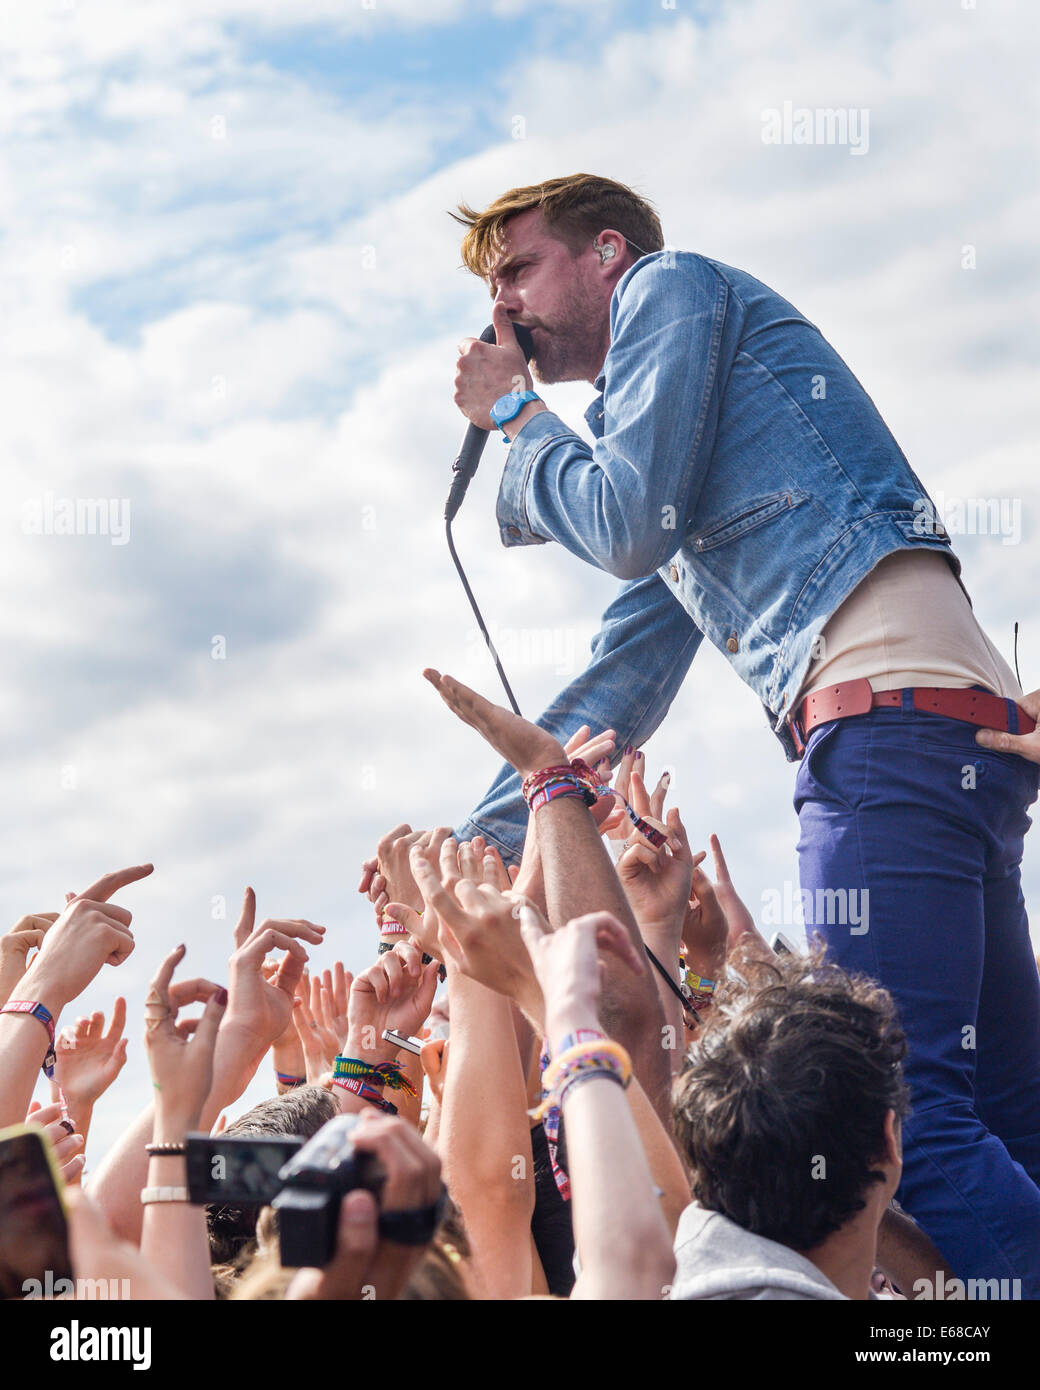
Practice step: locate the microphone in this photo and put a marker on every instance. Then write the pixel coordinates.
(475, 438)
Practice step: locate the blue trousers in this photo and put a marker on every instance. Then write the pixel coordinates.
(906, 808)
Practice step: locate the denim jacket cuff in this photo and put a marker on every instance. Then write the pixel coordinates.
(540, 433)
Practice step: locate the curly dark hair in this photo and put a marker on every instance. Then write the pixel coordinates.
(781, 1107)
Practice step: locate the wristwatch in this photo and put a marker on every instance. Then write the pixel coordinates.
(509, 406)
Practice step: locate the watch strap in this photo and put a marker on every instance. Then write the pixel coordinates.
(415, 1227)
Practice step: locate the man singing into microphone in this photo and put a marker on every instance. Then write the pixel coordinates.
(745, 488)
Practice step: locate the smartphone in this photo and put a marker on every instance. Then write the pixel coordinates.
(783, 946)
(413, 1045)
(34, 1238)
(240, 1169)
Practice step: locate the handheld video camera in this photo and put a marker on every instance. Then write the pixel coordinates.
(305, 1182)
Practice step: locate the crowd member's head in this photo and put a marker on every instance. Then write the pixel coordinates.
(552, 254)
(789, 1115)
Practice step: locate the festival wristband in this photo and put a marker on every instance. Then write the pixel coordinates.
(578, 779)
(598, 1054)
(581, 1076)
(697, 984)
(358, 1086)
(33, 1008)
(284, 1080)
(390, 926)
(379, 1074)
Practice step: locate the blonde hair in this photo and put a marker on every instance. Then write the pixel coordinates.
(576, 209)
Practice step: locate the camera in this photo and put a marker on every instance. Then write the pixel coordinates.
(304, 1182)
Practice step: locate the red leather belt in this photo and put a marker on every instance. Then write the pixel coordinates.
(856, 697)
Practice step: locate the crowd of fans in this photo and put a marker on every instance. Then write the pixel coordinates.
(747, 1147)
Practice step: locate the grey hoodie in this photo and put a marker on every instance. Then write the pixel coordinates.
(716, 1258)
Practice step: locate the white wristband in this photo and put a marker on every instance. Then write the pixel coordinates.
(163, 1194)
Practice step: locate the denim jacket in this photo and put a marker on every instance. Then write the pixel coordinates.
(742, 483)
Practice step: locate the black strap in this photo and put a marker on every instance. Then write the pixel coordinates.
(414, 1227)
(688, 1013)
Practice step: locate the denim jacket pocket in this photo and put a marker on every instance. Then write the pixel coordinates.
(756, 513)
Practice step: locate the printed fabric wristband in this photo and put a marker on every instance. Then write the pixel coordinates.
(351, 1066)
(553, 791)
(542, 787)
(358, 1086)
(39, 1011)
(382, 1074)
(285, 1080)
(390, 926)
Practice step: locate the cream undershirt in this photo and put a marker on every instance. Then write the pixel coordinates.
(909, 623)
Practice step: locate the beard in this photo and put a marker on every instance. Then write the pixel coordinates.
(573, 346)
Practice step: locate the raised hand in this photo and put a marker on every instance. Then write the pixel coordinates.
(88, 934)
(395, 992)
(479, 928)
(320, 1042)
(422, 926)
(180, 1055)
(657, 881)
(259, 1009)
(486, 371)
(524, 745)
(66, 1142)
(89, 1058)
(392, 877)
(333, 996)
(742, 933)
(26, 935)
(704, 928)
(595, 752)
(621, 826)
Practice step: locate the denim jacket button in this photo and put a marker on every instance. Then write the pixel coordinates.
(513, 531)
(674, 574)
(731, 643)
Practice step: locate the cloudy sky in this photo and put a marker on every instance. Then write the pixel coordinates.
(230, 298)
